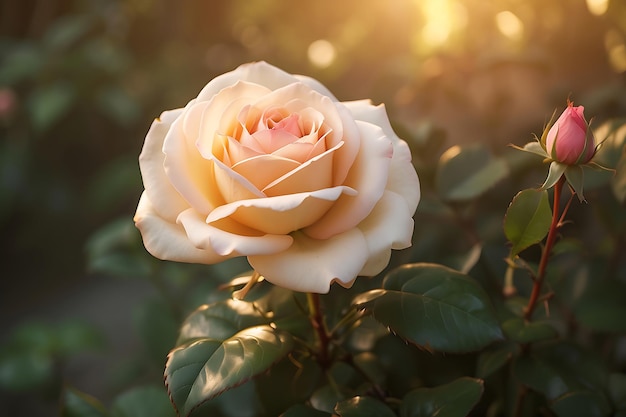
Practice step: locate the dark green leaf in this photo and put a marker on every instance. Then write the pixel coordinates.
(79, 404)
(363, 407)
(204, 368)
(617, 390)
(326, 397)
(465, 173)
(300, 410)
(582, 404)
(23, 62)
(558, 368)
(66, 31)
(455, 399)
(146, 401)
(157, 327)
(25, 370)
(527, 219)
(435, 307)
(494, 359)
(521, 331)
(48, 104)
(602, 306)
(119, 105)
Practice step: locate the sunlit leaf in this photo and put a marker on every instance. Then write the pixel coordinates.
(145, 401)
(455, 399)
(220, 320)
(363, 407)
(436, 308)
(527, 219)
(204, 368)
(465, 173)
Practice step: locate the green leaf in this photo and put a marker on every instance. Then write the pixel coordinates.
(24, 61)
(66, 31)
(582, 404)
(301, 410)
(464, 173)
(204, 368)
(25, 370)
(436, 308)
(146, 401)
(527, 219)
(575, 178)
(554, 173)
(220, 320)
(119, 105)
(493, 359)
(326, 397)
(157, 328)
(558, 368)
(602, 307)
(455, 399)
(48, 104)
(363, 407)
(79, 404)
(521, 331)
(617, 390)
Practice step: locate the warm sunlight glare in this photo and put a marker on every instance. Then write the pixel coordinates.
(616, 48)
(510, 25)
(598, 7)
(321, 53)
(442, 18)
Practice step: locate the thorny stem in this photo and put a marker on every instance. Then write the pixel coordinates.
(547, 249)
(317, 321)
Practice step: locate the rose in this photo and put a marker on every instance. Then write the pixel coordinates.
(570, 140)
(272, 166)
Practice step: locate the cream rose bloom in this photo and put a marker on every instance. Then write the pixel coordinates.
(272, 166)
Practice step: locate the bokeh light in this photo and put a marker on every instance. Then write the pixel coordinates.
(321, 53)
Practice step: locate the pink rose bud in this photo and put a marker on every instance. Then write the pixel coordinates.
(570, 140)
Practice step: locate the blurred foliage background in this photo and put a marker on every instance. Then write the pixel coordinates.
(81, 81)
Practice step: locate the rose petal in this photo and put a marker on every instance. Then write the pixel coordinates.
(256, 72)
(229, 244)
(311, 265)
(402, 176)
(314, 174)
(281, 214)
(166, 240)
(168, 203)
(261, 170)
(368, 176)
(389, 226)
(186, 169)
(230, 185)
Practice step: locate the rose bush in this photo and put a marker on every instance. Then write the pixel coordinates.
(272, 166)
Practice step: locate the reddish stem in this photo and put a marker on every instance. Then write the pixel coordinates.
(547, 249)
(317, 321)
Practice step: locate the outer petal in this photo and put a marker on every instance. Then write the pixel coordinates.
(311, 265)
(167, 202)
(226, 244)
(368, 176)
(389, 226)
(402, 176)
(282, 214)
(168, 241)
(256, 72)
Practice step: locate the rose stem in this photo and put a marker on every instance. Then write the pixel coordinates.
(547, 249)
(317, 321)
